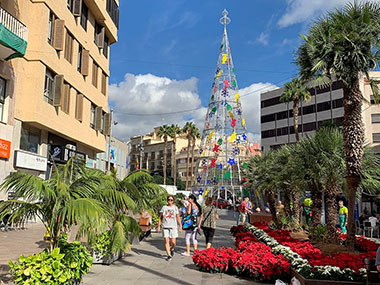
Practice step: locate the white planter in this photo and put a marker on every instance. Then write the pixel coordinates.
(107, 260)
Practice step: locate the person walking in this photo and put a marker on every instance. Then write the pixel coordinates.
(249, 206)
(194, 209)
(237, 209)
(243, 211)
(169, 216)
(343, 217)
(207, 221)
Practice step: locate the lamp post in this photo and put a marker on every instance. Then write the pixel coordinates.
(109, 141)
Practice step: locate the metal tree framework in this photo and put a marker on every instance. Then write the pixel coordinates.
(224, 145)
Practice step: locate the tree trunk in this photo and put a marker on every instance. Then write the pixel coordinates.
(165, 154)
(187, 162)
(331, 212)
(316, 206)
(353, 137)
(272, 204)
(295, 118)
(175, 161)
(192, 163)
(296, 206)
(288, 211)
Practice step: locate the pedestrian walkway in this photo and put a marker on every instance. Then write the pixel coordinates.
(146, 264)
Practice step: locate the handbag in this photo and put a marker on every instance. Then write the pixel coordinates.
(144, 221)
(189, 221)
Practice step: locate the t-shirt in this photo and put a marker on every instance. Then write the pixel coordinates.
(169, 216)
(209, 216)
(343, 210)
(378, 257)
(243, 207)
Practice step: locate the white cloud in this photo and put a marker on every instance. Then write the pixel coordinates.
(250, 100)
(299, 11)
(263, 39)
(150, 94)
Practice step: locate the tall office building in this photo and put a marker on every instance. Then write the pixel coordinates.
(59, 87)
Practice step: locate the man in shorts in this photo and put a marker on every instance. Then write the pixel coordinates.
(169, 216)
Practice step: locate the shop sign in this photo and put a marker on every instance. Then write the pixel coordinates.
(5, 148)
(30, 161)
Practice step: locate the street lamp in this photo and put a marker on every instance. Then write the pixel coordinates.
(109, 141)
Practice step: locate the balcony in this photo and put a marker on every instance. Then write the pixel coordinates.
(13, 36)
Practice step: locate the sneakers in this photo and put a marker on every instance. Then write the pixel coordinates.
(185, 254)
(172, 252)
(169, 258)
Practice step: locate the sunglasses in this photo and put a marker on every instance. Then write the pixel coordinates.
(170, 200)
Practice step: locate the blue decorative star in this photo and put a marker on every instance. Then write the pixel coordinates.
(200, 192)
(231, 161)
(217, 70)
(203, 161)
(222, 187)
(210, 115)
(238, 111)
(236, 150)
(207, 182)
(225, 92)
(200, 151)
(244, 137)
(220, 166)
(199, 179)
(237, 140)
(213, 180)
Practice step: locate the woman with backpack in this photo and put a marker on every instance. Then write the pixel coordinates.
(193, 212)
(207, 221)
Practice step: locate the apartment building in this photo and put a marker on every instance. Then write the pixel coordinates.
(153, 152)
(116, 155)
(182, 161)
(326, 105)
(60, 84)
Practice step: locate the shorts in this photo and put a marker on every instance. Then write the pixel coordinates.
(243, 217)
(170, 232)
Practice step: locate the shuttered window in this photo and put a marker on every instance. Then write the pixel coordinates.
(104, 83)
(66, 99)
(69, 47)
(59, 33)
(113, 11)
(99, 35)
(105, 47)
(98, 118)
(49, 86)
(79, 107)
(92, 116)
(85, 62)
(52, 19)
(95, 68)
(3, 84)
(59, 88)
(75, 7)
(84, 16)
(375, 118)
(376, 137)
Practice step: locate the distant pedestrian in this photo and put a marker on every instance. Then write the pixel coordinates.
(207, 221)
(343, 217)
(244, 211)
(194, 210)
(169, 215)
(237, 209)
(249, 206)
(280, 209)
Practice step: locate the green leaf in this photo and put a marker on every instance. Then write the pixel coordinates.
(55, 264)
(55, 252)
(229, 108)
(62, 279)
(27, 271)
(21, 259)
(11, 265)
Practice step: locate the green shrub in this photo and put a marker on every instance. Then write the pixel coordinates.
(102, 244)
(154, 220)
(63, 265)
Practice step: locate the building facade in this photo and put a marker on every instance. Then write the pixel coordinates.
(60, 84)
(325, 106)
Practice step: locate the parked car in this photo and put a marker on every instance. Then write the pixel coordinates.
(220, 203)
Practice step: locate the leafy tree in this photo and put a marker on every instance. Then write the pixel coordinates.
(164, 132)
(175, 130)
(195, 135)
(295, 91)
(345, 43)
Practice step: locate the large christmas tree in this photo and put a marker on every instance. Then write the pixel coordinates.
(223, 149)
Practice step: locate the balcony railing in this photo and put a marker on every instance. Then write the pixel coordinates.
(13, 25)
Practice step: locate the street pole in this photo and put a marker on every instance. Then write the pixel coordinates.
(109, 143)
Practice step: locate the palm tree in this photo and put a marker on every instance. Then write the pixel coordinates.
(195, 135)
(295, 91)
(74, 195)
(188, 129)
(175, 131)
(164, 132)
(344, 43)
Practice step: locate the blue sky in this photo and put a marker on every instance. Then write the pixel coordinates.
(168, 47)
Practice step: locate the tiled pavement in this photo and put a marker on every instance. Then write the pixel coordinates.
(144, 264)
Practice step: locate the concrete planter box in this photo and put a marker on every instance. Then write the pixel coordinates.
(305, 281)
(107, 260)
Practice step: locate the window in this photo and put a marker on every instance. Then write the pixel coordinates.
(105, 47)
(84, 16)
(65, 107)
(80, 50)
(49, 85)
(69, 47)
(3, 84)
(79, 107)
(375, 118)
(268, 133)
(95, 68)
(104, 83)
(308, 109)
(282, 115)
(113, 11)
(30, 139)
(52, 19)
(337, 103)
(92, 116)
(323, 106)
(376, 137)
(373, 100)
(70, 5)
(267, 118)
(309, 127)
(270, 102)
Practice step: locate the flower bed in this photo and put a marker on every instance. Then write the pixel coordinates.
(249, 258)
(310, 261)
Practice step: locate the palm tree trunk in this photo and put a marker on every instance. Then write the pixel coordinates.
(331, 211)
(187, 162)
(272, 204)
(165, 154)
(175, 161)
(316, 207)
(353, 137)
(192, 163)
(288, 211)
(295, 118)
(296, 205)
